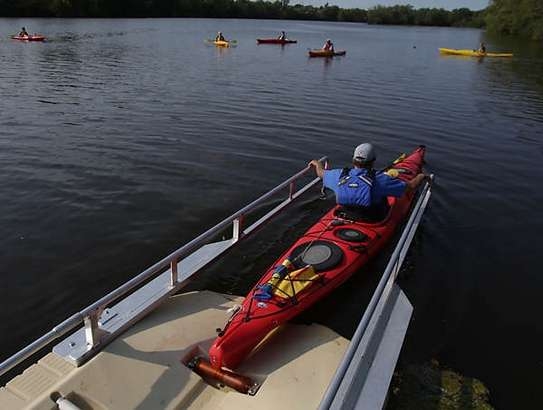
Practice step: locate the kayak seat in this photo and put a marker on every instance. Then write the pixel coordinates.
(373, 214)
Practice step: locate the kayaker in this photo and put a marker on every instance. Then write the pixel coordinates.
(362, 188)
(328, 46)
(219, 37)
(482, 48)
(23, 33)
(282, 36)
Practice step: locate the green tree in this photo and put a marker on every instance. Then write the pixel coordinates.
(519, 17)
(274, 9)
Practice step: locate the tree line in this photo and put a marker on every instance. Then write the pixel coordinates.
(516, 17)
(178, 8)
(408, 15)
(279, 9)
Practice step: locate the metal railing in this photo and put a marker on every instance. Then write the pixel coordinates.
(89, 317)
(331, 398)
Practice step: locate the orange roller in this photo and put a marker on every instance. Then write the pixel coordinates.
(238, 382)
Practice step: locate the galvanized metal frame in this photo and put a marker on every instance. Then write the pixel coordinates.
(97, 317)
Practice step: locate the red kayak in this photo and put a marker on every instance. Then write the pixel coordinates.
(274, 41)
(35, 37)
(328, 254)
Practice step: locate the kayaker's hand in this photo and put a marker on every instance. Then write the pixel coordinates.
(415, 182)
(319, 169)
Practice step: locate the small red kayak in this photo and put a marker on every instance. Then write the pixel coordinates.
(35, 37)
(326, 53)
(274, 41)
(329, 253)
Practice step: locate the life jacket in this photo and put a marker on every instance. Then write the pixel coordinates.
(354, 188)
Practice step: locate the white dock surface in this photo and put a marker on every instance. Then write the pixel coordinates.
(142, 369)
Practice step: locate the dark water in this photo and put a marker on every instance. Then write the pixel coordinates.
(120, 140)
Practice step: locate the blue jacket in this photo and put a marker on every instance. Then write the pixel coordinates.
(358, 187)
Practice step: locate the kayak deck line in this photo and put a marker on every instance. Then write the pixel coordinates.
(111, 332)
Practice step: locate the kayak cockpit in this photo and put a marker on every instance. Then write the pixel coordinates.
(374, 215)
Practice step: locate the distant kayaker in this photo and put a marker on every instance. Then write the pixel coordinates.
(362, 188)
(482, 48)
(220, 37)
(23, 33)
(328, 46)
(282, 36)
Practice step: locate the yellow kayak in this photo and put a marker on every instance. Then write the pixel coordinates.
(326, 53)
(472, 53)
(221, 43)
(225, 43)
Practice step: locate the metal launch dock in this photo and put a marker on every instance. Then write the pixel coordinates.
(128, 350)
